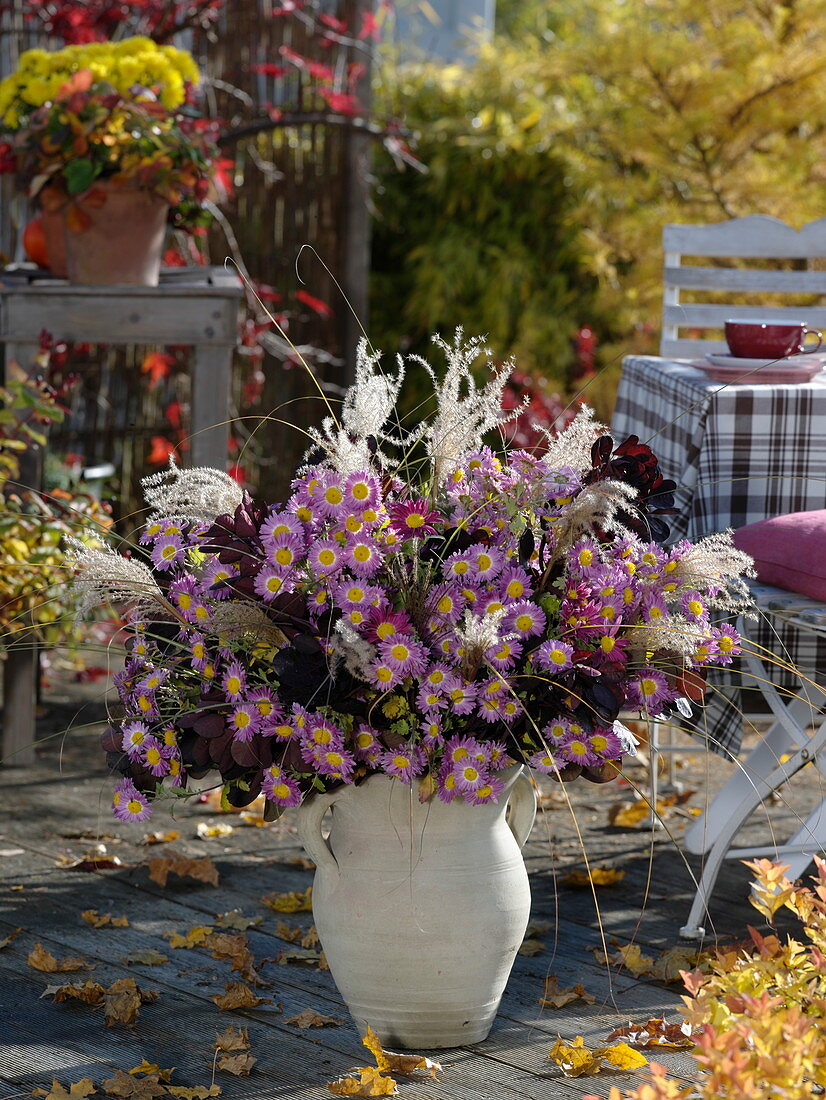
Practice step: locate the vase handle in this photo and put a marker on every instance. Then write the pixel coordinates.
(522, 808)
(316, 845)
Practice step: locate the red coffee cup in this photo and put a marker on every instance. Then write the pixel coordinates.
(769, 339)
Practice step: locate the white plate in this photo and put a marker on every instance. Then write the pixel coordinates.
(790, 361)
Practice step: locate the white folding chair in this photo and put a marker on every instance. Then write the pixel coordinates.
(787, 747)
(725, 287)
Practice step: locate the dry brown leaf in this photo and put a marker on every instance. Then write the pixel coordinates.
(300, 957)
(195, 937)
(304, 863)
(405, 1064)
(290, 933)
(630, 957)
(123, 999)
(296, 901)
(238, 1064)
(103, 920)
(93, 861)
(161, 838)
(238, 995)
(77, 1091)
(308, 1018)
(669, 965)
(7, 939)
(231, 1040)
(554, 997)
(594, 876)
(41, 959)
(207, 830)
(628, 815)
(235, 947)
(198, 1092)
(91, 993)
(202, 870)
(370, 1082)
(655, 1033)
(537, 928)
(148, 957)
(126, 1087)
(531, 948)
(232, 1050)
(152, 1067)
(236, 920)
(310, 938)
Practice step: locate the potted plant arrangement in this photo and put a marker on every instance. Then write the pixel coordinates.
(423, 621)
(104, 136)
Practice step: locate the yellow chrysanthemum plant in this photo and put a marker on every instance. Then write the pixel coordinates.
(109, 110)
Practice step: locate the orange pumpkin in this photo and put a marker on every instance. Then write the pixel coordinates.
(34, 242)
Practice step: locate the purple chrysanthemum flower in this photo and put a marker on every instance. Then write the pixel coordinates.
(544, 762)
(216, 579)
(488, 792)
(649, 690)
(278, 787)
(525, 618)
(331, 500)
(470, 774)
(168, 550)
(429, 699)
(234, 681)
(728, 643)
(487, 562)
(383, 623)
(447, 601)
(361, 491)
(336, 763)
(693, 606)
(606, 744)
(128, 804)
(514, 584)
(265, 702)
(285, 552)
(184, 593)
(576, 749)
(413, 518)
(553, 655)
(383, 677)
(366, 747)
(504, 654)
(278, 524)
(405, 654)
(198, 652)
(175, 775)
(403, 763)
(271, 581)
(585, 557)
(244, 721)
(154, 756)
(462, 698)
(458, 567)
(362, 555)
(325, 557)
(135, 733)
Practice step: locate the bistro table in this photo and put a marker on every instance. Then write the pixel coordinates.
(738, 453)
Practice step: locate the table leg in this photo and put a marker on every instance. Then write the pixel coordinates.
(211, 371)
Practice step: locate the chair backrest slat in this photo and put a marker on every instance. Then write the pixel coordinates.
(694, 328)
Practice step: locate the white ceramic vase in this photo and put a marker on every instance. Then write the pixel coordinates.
(420, 908)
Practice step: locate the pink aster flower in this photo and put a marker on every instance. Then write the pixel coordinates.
(728, 643)
(325, 557)
(175, 775)
(556, 732)
(366, 746)
(184, 593)
(278, 787)
(429, 699)
(447, 602)
(458, 567)
(585, 557)
(504, 654)
(277, 524)
(362, 555)
(525, 618)
(383, 677)
(154, 756)
(361, 491)
(432, 737)
(336, 763)
(413, 518)
(488, 792)
(264, 701)
(553, 656)
(215, 578)
(514, 584)
(462, 698)
(470, 774)
(168, 550)
(693, 606)
(458, 749)
(487, 562)
(577, 750)
(234, 681)
(271, 581)
(653, 607)
(544, 762)
(244, 722)
(198, 652)
(384, 623)
(405, 654)
(649, 690)
(446, 790)
(128, 804)
(403, 763)
(286, 551)
(331, 500)
(134, 735)
(606, 744)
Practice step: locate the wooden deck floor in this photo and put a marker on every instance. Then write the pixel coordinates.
(57, 809)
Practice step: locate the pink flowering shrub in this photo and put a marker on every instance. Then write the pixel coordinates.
(435, 617)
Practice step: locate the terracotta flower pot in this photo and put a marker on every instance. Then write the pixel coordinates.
(53, 202)
(420, 908)
(115, 235)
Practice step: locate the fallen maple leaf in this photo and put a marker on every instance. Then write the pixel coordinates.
(103, 920)
(161, 838)
(238, 995)
(655, 1033)
(594, 876)
(370, 1082)
(236, 920)
(123, 999)
(126, 1087)
(7, 939)
(152, 1067)
(531, 948)
(668, 966)
(198, 1092)
(574, 1058)
(304, 863)
(296, 901)
(211, 830)
(147, 957)
(622, 1057)
(77, 1091)
(554, 997)
(202, 870)
(195, 937)
(235, 947)
(630, 957)
(405, 1064)
(232, 1052)
(41, 959)
(290, 933)
(91, 993)
(308, 1018)
(302, 958)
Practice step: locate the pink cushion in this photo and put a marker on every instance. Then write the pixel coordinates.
(789, 551)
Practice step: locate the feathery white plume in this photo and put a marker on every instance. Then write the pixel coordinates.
(199, 495)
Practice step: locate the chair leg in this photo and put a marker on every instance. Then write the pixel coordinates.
(762, 760)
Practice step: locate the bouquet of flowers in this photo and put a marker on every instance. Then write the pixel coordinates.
(118, 111)
(421, 607)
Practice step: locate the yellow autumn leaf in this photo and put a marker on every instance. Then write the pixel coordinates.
(308, 1018)
(370, 1082)
(152, 1067)
(621, 1056)
(296, 901)
(103, 920)
(41, 959)
(594, 876)
(629, 957)
(202, 870)
(161, 838)
(77, 1091)
(405, 1064)
(195, 937)
(574, 1058)
(554, 997)
(211, 830)
(237, 996)
(627, 815)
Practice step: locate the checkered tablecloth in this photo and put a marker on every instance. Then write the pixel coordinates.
(738, 454)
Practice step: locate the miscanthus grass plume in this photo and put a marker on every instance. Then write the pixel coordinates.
(473, 603)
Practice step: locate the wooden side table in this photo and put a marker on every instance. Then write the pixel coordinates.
(192, 306)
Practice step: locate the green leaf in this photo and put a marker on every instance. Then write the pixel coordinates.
(79, 175)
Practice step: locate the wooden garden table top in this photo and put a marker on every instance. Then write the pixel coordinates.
(56, 809)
